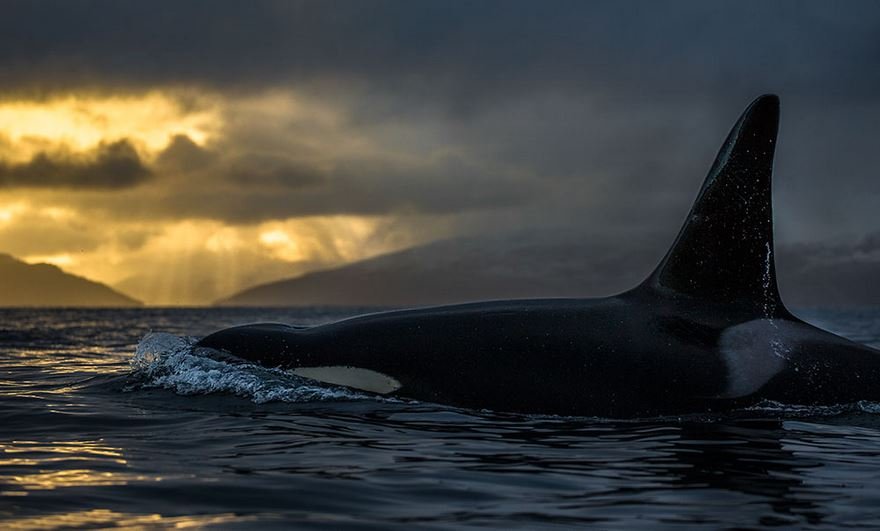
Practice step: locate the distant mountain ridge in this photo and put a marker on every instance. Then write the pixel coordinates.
(46, 285)
(553, 264)
(443, 272)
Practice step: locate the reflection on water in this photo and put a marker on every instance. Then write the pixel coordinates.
(103, 518)
(83, 444)
(31, 465)
(69, 478)
(76, 448)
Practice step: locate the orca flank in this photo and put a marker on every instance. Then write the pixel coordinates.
(707, 331)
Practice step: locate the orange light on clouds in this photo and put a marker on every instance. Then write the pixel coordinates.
(181, 258)
(10, 210)
(82, 122)
(60, 260)
(281, 245)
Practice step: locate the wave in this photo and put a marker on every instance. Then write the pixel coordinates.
(797, 410)
(175, 363)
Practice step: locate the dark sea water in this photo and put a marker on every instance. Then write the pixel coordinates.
(107, 419)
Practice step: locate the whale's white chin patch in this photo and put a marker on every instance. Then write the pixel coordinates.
(354, 377)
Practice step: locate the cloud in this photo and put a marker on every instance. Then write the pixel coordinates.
(829, 274)
(462, 53)
(254, 189)
(270, 171)
(110, 165)
(47, 231)
(183, 155)
(446, 118)
(576, 111)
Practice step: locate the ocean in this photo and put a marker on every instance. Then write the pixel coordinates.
(108, 419)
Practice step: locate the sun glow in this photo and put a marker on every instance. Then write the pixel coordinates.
(275, 237)
(60, 260)
(78, 123)
(10, 211)
(281, 245)
(141, 238)
(192, 262)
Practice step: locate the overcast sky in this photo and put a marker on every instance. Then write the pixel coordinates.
(182, 150)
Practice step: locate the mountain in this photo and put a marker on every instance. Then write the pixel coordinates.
(42, 285)
(465, 269)
(554, 264)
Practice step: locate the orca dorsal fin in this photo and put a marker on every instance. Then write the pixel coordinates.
(724, 251)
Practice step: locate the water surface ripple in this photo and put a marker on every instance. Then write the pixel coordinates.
(102, 429)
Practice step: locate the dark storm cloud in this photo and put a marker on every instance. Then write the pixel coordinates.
(272, 170)
(456, 51)
(588, 113)
(183, 155)
(825, 274)
(248, 187)
(239, 183)
(110, 166)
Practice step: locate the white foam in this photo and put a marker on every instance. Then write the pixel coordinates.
(799, 410)
(175, 363)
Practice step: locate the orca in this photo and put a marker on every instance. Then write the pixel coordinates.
(706, 332)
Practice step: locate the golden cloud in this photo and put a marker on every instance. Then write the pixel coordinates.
(79, 123)
(181, 199)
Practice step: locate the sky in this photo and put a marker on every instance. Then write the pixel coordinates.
(181, 151)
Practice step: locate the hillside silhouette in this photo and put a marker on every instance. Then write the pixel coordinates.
(45, 285)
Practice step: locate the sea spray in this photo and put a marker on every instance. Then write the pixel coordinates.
(173, 362)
